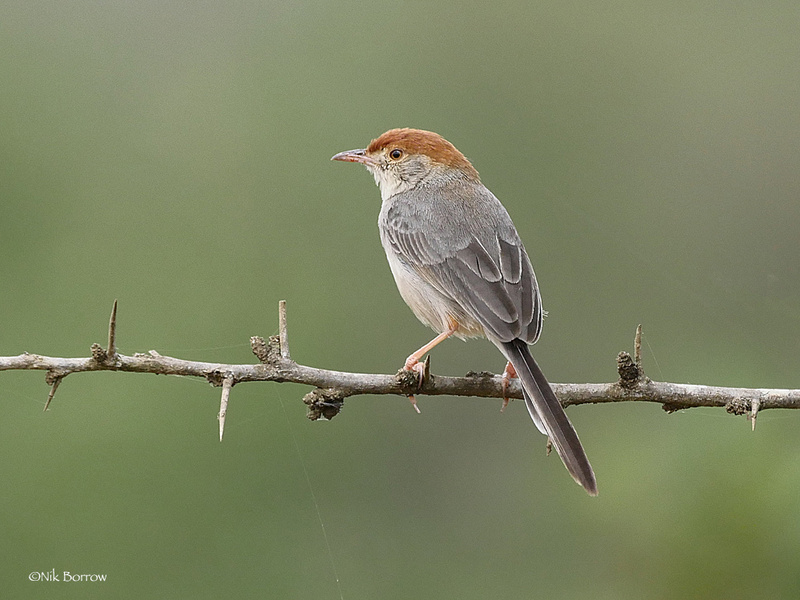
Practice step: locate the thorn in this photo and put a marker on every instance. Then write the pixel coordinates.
(637, 345)
(282, 331)
(53, 388)
(414, 404)
(112, 332)
(754, 406)
(549, 446)
(227, 384)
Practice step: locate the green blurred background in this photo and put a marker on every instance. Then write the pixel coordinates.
(175, 155)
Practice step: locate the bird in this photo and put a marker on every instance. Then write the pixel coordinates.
(460, 265)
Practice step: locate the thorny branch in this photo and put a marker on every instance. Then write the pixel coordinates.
(332, 387)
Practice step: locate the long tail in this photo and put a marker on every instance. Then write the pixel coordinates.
(547, 413)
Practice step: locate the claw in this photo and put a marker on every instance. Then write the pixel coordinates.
(422, 370)
(508, 374)
(419, 369)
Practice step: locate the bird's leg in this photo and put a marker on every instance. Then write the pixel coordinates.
(508, 374)
(413, 364)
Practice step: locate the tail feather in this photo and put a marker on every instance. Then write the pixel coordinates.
(548, 415)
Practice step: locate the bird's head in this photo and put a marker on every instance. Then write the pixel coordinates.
(402, 159)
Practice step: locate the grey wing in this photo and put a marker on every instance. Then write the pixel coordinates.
(480, 264)
(499, 287)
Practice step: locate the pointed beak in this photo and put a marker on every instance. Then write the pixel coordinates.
(359, 156)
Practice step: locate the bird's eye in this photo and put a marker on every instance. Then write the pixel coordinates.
(396, 154)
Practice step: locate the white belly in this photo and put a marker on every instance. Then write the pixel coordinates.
(430, 305)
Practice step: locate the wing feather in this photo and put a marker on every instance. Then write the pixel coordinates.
(485, 270)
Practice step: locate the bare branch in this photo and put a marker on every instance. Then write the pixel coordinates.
(332, 387)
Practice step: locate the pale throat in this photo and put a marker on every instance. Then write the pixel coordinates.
(388, 182)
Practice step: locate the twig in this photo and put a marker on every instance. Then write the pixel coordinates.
(334, 386)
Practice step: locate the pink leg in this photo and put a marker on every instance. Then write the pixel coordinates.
(508, 374)
(413, 364)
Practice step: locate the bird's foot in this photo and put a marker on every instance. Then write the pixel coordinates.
(508, 374)
(415, 366)
(421, 370)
